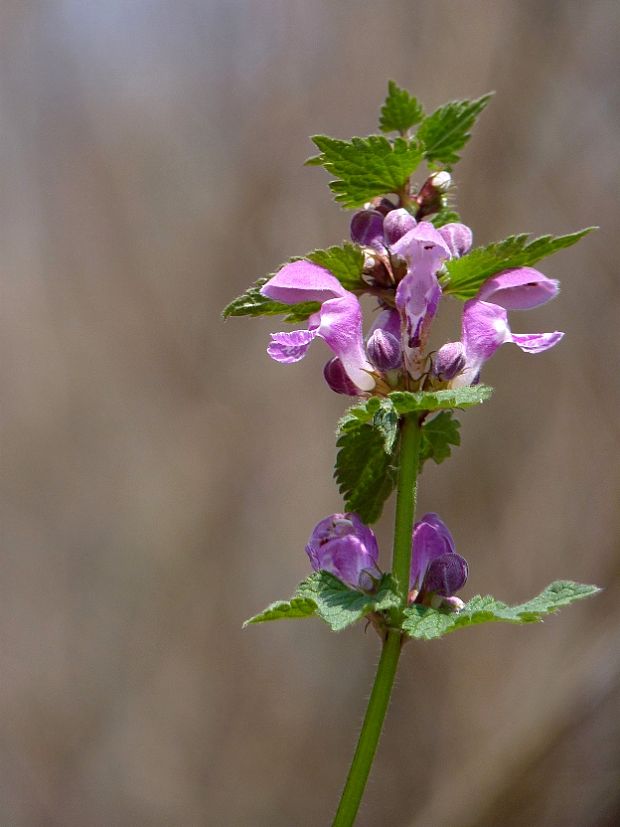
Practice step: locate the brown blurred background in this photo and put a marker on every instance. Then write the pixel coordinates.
(160, 474)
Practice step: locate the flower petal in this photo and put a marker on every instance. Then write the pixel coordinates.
(431, 540)
(340, 325)
(302, 281)
(536, 342)
(290, 347)
(519, 289)
(485, 328)
(423, 248)
(458, 237)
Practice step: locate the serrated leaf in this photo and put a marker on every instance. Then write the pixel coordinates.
(445, 216)
(400, 110)
(364, 471)
(253, 303)
(447, 130)
(345, 262)
(339, 606)
(366, 167)
(406, 402)
(296, 607)
(425, 623)
(467, 274)
(438, 435)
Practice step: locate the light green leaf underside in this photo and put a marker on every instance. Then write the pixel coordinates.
(324, 595)
(425, 623)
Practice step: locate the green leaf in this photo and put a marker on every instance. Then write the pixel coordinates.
(364, 464)
(296, 607)
(345, 263)
(253, 303)
(447, 130)
(445, 216)
(426, 623)
(467, 274)
(438, 435)
(339, 606)
(334, 602)
(400, 111)
(366, 167)
(406, 402)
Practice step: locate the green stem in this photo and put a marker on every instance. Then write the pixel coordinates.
(386, 671)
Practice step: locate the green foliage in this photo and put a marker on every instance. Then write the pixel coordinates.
(406, 402)
(253, 303)
(400, 110)
(296, 607)
(328, 597)
(366, 167)
(345, 263)
(339, 606)
(426, 623)
(445, 216)
(364, 464)
(438, 435)
(467, 274)
(447, 130)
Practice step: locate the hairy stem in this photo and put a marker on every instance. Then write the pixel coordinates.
(386, 671)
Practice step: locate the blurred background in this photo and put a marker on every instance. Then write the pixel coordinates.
(160, 475)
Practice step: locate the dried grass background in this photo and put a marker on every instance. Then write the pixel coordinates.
(160, 475)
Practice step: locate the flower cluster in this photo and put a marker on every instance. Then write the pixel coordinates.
(403, 265)
(343, 546)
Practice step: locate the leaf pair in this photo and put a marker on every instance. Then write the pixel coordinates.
(324, 595)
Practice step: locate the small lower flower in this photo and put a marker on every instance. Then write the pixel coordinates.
(344, 546)
(437, 571)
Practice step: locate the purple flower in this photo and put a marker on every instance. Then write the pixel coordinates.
(437, 571)
(418, 294)
(371, 228)
(485, 319)
(347, 548)
(338, 322)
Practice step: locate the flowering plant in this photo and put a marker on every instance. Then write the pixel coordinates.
(409, 251)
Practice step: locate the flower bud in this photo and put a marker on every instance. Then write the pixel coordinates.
(367, 228)
(442, 180)
(446, 574)
(396, 224)
(449, 361)
(458, 237)
(338, 379)
(384, 350)
(344, 546)
(381, 204)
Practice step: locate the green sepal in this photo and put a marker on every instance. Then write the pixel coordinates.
(467, 274)
(425, 623)
(406, 402)
(400, 110)
(366, 167)
(364, 471)
(329, 598)
(447, 130)
(439, 434)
